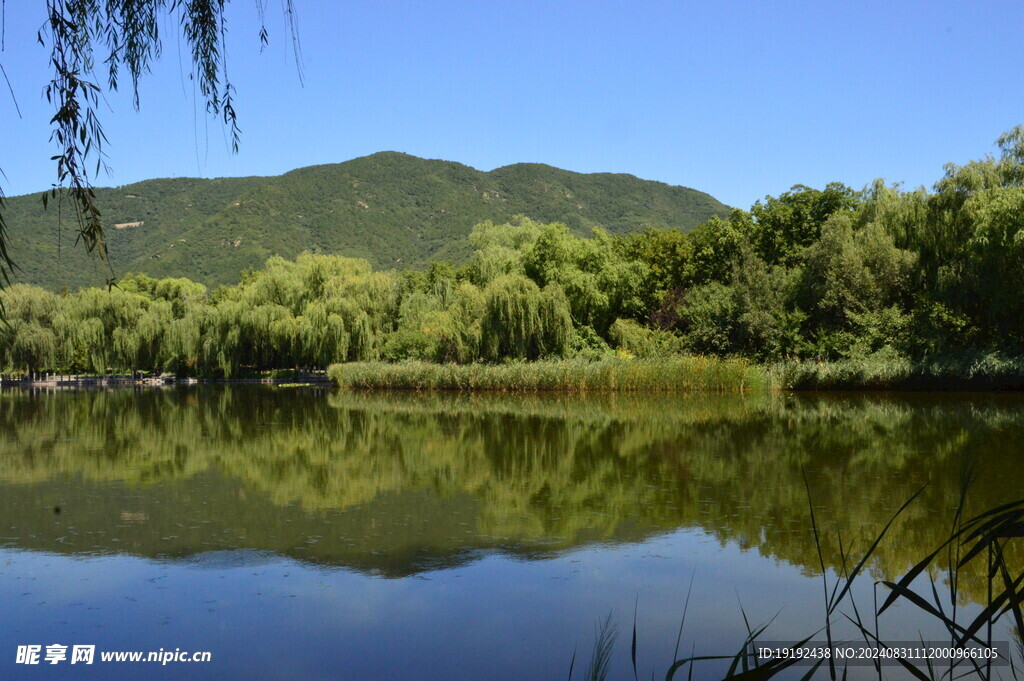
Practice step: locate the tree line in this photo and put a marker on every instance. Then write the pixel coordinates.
(832, 273)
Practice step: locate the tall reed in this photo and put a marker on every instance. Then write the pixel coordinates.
(881, 371)
(675, 373)
(984, 537)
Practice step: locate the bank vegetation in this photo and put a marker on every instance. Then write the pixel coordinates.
(821, 288)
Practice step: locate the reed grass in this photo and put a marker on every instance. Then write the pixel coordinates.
(708, 374)
(881, 371)
(984, 538)
(889, 372)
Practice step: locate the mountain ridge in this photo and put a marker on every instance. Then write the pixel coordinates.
(394, 209)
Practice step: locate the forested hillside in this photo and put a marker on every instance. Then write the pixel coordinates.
(392, 209)
(878, 277)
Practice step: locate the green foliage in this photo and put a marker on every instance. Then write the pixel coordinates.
(879, 287)
(716, 245)
(391, 209)
(843, 274)
(886, 369)
(522, 321)
(668, 254)
(707, 318)
(636, 340)
(856, 285)
(599, 283)
(793, 220)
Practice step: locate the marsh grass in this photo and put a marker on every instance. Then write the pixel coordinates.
(697, 373)
(881, 371)
(885, 371)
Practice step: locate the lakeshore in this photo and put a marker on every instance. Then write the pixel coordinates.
(689, 374)
(968, 373)
(68, 381)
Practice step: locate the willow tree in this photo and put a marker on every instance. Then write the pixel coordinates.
(28, 346)
(979, 274)
(500, 249)
(420, 315)
(27, 338)
(180, 292)
(460, 341)
(522, 321)
(92, 44)
(183, 341)
(30, 303)
(322, 337)
(142, 345)
(599, 283)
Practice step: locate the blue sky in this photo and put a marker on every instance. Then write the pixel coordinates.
(739, 99)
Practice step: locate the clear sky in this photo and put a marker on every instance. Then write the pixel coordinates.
(736, 99)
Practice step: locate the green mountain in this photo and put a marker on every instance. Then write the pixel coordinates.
(393, 209)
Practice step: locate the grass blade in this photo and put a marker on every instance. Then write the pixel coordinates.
(905, 581)
(874, 545)
(632, 651)
(602, 655)
(686, 606)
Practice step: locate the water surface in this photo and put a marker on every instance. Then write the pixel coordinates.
(300, 533)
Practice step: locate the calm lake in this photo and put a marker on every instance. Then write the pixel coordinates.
(298, 533)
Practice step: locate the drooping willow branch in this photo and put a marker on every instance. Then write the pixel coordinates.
(125, 35)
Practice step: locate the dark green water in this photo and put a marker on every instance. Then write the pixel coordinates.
(297, 533)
